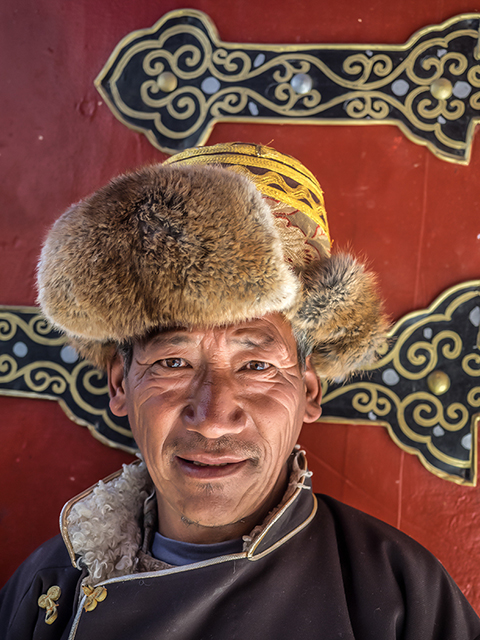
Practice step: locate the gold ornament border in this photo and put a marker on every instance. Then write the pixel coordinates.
(213, 33)
(427, 316)
(413, 451)
(36, 318)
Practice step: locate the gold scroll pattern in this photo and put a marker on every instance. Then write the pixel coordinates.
(411, 359)
(361, 84)
(48, 377)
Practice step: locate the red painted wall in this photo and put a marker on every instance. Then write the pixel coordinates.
(414, 216)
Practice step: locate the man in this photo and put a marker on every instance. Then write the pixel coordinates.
(206, 289)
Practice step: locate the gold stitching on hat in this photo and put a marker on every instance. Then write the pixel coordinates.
(47, 601)
(283, 177)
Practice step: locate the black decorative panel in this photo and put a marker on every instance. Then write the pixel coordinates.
(36, 362)
(426, 387)
(174, 81)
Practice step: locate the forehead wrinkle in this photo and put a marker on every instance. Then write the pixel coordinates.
(252, 342)
(174, 337)
(262, 338)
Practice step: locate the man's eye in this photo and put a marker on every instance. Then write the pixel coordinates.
(174, 363)
(257, 365)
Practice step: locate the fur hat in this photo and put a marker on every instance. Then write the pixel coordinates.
(206, 240)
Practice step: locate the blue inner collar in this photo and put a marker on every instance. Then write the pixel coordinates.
(178, 553)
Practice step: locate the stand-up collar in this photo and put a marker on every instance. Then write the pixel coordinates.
(106, 528)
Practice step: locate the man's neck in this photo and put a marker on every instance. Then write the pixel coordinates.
(178, 527)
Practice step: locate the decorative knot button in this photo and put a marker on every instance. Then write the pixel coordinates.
(94, 596)
(47, 601)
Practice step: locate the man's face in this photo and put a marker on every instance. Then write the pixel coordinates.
(216, 414)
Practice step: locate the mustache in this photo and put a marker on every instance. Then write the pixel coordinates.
(224, 445)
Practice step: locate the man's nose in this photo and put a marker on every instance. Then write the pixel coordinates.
(214, 409)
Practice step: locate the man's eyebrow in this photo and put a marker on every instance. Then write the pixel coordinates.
(176, 337)
(254, 339)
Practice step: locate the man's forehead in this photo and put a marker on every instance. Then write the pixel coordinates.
(259, 332)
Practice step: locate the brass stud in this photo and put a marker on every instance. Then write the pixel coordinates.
(167, 82)
(441, 89)
(438, 382)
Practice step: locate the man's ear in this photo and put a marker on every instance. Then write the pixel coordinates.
(116, 386)
(313, 410)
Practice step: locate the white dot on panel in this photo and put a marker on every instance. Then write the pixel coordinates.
(427, 333)
(467, 441)
(441, 120)
(260, 59)
(210, 85)
(301, 83)
(390, 377)
(400, 87)
(20, 349)
(252, 107)
(372, 416)
(461, 89)
(474, 316)
(441, 52)
(68, 354)
(438, 431)
(369, 53)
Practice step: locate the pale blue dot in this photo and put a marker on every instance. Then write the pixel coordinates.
(427, 333)
(20, 349)
(467, 441)
(372, 416)
(461, 89)
(68, 354)
(441, 120)
(260, 59)
(400, 87)
(210, 85)
(438, 431)
(390, 377)
(474, 316)
(441, 52)
(252, 107)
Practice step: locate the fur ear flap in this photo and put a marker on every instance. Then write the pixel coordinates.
(340, 316)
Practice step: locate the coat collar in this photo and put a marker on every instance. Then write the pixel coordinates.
(103, 526)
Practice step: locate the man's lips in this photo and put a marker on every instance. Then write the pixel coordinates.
(205, 466)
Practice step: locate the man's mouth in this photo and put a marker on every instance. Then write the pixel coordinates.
(209, 467)
(203, 464)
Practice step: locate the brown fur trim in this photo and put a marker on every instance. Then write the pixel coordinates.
(340, 316)
(165, 245)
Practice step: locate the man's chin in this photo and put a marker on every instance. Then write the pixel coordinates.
(210, 520)
(219, 517)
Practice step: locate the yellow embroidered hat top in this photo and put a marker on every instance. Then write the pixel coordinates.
(291, 190)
